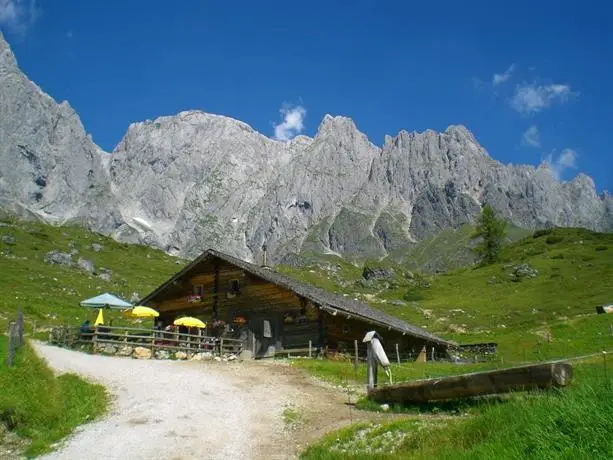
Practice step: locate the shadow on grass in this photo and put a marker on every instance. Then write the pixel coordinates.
(448, 407)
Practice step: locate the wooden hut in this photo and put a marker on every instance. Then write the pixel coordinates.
(273, 313)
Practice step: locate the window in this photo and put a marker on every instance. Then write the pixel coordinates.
(234, 287)
(197, 295)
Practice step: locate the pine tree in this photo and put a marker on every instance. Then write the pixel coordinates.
(492, 231)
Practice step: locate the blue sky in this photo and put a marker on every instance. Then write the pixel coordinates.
(532, 80)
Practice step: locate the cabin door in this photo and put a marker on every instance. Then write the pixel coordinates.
(266, 332)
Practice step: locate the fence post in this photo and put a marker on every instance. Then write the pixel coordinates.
(432, 354)
(397, 354)
(20, 327)
(11, 351)
(221, 347)
(355, 358)
(95, 340)
(310, 349)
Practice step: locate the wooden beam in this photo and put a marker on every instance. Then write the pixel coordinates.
(535, 376)
(216, 290)
(321, 328)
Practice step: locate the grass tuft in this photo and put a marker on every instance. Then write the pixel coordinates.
(574, 422)
(41, 407)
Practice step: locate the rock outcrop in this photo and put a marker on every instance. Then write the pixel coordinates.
(49, 166)
(196, 180)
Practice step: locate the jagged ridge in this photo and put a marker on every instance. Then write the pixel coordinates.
(197, 180)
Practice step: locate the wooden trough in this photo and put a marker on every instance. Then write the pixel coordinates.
(531, 377)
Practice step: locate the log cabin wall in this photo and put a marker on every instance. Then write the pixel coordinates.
(342, 331)
(216, 289)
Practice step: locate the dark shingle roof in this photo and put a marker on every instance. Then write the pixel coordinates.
(317, 295)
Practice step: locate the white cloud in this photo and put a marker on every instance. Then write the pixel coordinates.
(18, 15)
(533, 98)
(292, 124)
(500, 78)
(531, 137)
(566, 160)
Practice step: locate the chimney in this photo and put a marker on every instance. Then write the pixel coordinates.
(264, 257)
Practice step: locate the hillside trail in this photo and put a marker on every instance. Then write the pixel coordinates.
(181, 410)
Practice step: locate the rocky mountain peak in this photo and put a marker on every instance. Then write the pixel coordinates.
(460, 131)
(195, 180)
(331, 125)
(584, 181)
(3, 43)
(7, 58)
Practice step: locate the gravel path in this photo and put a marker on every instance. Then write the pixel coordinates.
(177, 410)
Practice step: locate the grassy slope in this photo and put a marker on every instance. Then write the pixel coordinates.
(552, 315)
(50, 294)
(44, 408)
(449, 249)
(575, 422)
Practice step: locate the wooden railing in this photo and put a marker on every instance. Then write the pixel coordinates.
(69, 336)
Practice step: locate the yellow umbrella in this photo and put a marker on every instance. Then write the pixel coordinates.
(189, 322)
(99, 319)
(140, 312)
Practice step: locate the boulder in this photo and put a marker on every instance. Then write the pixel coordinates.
(105, 274)
(162, 354)
(206, 355)
(135, 297)
(108, 349)
(56, 257)
(399, 303)
(245, 355)
(96, 247)
(455, 328)
(86, 265)
(197, 357)
(180, 355)
(377, 273)
(125, 350)
(8, 239)
(142, 353)
(522, 271)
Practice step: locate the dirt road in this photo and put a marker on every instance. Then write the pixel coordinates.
(200, 410)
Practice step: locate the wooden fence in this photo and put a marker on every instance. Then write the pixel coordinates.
(15, 338)
(69, 336)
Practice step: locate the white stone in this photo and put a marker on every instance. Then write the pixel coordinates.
(142, 353)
